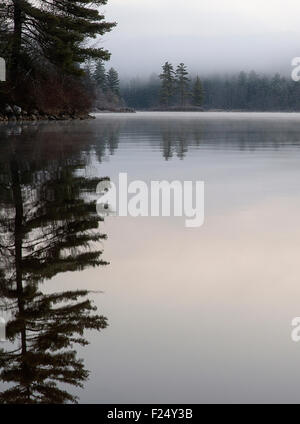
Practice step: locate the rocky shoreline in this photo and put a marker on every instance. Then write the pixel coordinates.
(16, 113)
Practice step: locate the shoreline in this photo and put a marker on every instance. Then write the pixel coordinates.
(17, 114)
(46, 118)
(21, 119)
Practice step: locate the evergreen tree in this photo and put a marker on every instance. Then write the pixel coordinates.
(168, 84)
(243, 91)
(100, 75)
(142, 94)
(113, 82)
(198, 93)
(52, 33)
(182, 82)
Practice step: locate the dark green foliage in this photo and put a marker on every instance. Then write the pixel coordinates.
(99, 76)
(167, 84)
(113, 82)
(182, 83)
(244, 91)
(173, 91)
(56, 30)
(142, 94)
(45, 38)
(107, 88)
(198, 93)
(251, 92)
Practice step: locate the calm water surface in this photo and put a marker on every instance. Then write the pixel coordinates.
(183, 315)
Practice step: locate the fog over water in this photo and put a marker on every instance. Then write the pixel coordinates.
(209, 36)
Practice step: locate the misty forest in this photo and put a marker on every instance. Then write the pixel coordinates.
(244, 91)
(55, 71)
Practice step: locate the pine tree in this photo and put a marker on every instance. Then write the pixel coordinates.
(52, 33)
(168, 84)
(198, 93)
(113, 82)
(182, 82)
(100, 75)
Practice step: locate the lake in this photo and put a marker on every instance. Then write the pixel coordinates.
(181, 315)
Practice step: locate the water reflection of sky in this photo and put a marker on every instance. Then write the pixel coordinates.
(197, 315)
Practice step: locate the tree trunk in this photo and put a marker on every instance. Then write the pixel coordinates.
(16, 44)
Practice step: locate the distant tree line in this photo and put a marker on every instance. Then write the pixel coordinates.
(243, 91)
(252, 92)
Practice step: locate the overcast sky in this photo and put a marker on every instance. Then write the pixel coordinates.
(208, 35)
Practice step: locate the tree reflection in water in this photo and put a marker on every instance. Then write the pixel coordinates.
(48, 225)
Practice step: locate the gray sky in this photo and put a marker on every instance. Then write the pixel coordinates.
(208, 35)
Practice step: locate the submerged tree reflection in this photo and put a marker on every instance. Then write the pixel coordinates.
(48, 225)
